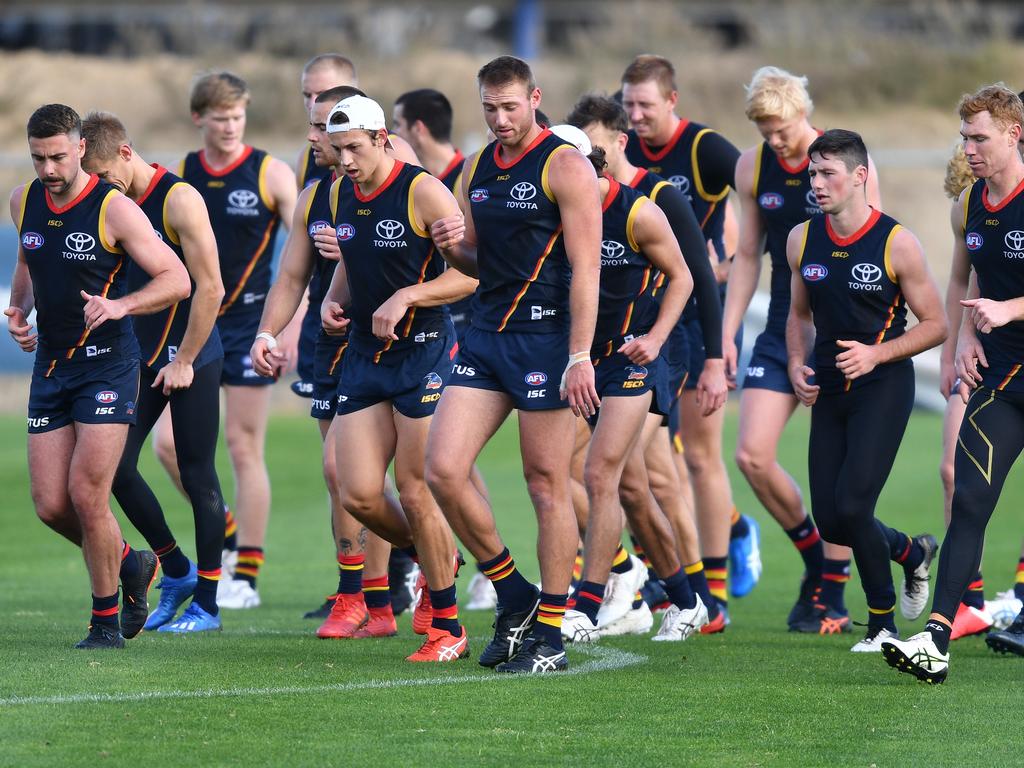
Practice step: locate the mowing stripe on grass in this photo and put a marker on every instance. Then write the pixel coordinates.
(604, 660)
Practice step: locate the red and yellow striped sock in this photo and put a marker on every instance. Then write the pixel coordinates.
(249, 561)
(975, 594)
(512, 588)
(230, 530)
(577, 566)
(172, 560)
(350, 569)
(716, 569)
(376, 592)
(621, 562)
(206, 589)
(1018, 587)
(445, 611)
(104, 610)
(550, 613)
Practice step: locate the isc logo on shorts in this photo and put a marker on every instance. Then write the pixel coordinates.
(814, 272)
(974, 241)
(431, 398)
(106, 397)
(633, 384)
(536, 378)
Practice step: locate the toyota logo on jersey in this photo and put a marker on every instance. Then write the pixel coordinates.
(524, 190)
(79, 242)
(1015, 240)
(390, 229)
(243, 198)
(866, 273)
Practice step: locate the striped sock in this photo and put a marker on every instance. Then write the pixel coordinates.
(639, 552)
(206, 589)
(739, 528)
(129, 564)
(975, 594)
(1018, 587)
(104, 611)
(230, 531)
(446, 612)
(513, 590)
(716, 569)
(172, 560)
(589, 597)
(834, 575)
(621, 562)
(699, 584)
(249, 561)
(882, 607)
(376, 592)
(577, 566)
(902, 549)
(806, 539)
(677, 587)
(350, 568)
(549, 619)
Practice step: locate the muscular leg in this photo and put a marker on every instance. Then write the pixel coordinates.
(245, 429)
(951, 420)
(49, 459)
(673, 494)
(580, 503)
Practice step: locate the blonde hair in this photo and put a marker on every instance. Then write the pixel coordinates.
(959, 175)
(774, 92)
(104, 134)
(999, 101)
(650, 67)
(216, 90)
(342, 66)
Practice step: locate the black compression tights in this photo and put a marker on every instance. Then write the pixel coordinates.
(854, 440)
(990, 440)
(195, 418)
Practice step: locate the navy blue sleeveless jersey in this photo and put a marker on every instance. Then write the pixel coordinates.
(627, 307)
(523, 268)
(679, 163)
(460, 309)
(67, 251)
(994, 235)
(384, 250)
(650, 184)
(853, 292)
(450, 175)
(244, 223)
(317, 216)
(309, 172)
(160, 334)
(784, 199)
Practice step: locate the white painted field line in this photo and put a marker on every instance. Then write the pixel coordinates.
(604, 660)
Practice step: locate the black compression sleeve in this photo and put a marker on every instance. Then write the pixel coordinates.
(686, 228)
(716, 159)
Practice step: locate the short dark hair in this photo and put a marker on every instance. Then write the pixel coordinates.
(504, 70)
(650, 67)
(541, 118)
(843, 145)
(594, 108)
(54, 120)
(338, 93)
(430, 107)
(342, 65)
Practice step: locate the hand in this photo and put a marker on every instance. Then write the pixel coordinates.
(449, 231)
(969, 354)
(333, 319)
(643, 350)
(730, 356)
(712, 387)
(947, 378)
(98, 310)
(388, 315)
(265, 361)
(719, 266)
(285, 358)
(858, 359)
(20, 330)
(578, 387)
(326, 242)
(176, 375)
(806, 393)
(987, 314)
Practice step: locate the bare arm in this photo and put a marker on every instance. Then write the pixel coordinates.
(746, 265)
(455, 235)
(186, 213)
(956, 291)
(573, 183)
(402, 150)
(799, 324)
(922, 295)
(22, 299)
(332, 310)
(128, 227)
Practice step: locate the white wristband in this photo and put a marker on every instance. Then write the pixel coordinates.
(269, 338)
(574, 359)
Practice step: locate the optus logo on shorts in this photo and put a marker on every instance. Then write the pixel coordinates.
(770, 201)
(346, 232)
(974, 241)
(814, 272)
(31, 240)
(536, 378)
(478, 195)
(106, 397)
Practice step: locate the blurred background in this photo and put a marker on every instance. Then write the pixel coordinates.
(891, 70)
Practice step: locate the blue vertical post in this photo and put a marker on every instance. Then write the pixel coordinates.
(527, 29)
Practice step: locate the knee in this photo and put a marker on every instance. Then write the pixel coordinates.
(442, 477)
(244, 446)
(599, 478)
(52, 512)
(699, 459)
(543, 491)
(163, 446)
(330, 470)
(632, 496)
(88, 500)
(751, 463)
(415, 498)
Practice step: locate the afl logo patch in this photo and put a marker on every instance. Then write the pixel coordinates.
(974, 241)
(316, 226)
(478, 195)
(536, 378)
(31, 240)
(433, 381)
(636, 372)
(814, 272)
(346, 232)
(770, 201)
(106, 397)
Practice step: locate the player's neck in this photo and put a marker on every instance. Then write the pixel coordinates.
(852, 217)
(217, 159)
(1001, 184)
(663, 136)
(511, 152)
(435, 157)
(622, 171)
(142, 176)
(80, 182)
(378, 177)
(807, 138)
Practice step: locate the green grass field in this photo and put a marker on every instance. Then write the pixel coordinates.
(266, 691)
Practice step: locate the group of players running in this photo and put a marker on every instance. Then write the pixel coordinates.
(562, 272)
